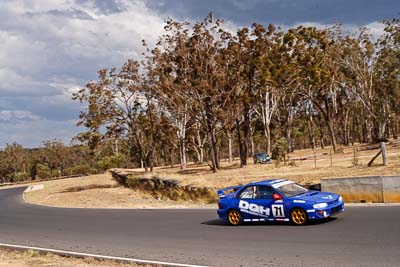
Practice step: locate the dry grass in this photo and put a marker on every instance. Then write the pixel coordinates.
(84, 192)
(304, 171)
(10, 258)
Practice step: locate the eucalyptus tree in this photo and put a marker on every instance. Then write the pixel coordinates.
(115, 105)
(387, 73)
(279, 82)
(209, 92)
(171, 72)
(55, 154)
(14, 159)
(314, 51)
(249, 47)
(191, 80)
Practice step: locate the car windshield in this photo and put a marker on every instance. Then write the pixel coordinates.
(293, 189)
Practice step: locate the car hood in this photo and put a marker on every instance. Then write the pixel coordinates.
(317, 197)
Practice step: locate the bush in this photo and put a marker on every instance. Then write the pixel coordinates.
(78, 170)
(110, 162)
(20, 176)
(132, 182)
(43, 171)
(280, 148)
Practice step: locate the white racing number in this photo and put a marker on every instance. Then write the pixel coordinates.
(277, 211)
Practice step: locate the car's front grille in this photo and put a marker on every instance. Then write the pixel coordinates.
(336, 209)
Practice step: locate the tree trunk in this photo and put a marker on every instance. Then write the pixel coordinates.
(171, 157)
(240, 142)
(229, 133)
(288, 136)
(246, 139)
(151, 161)
(252, 145)
(213, 150)
(311, 133)
(267, 134)
(289, 127)
(182, 154)
(332, 135)
(394, 125)
(146, 167)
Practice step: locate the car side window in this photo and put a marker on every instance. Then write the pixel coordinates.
(249, 192)
(265, 192)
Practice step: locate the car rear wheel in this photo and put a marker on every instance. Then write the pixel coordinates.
(234, 217)
(298, 216)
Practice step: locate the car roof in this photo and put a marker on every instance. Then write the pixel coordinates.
(274, 182)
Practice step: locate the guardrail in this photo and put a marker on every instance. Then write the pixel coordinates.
(376, 189)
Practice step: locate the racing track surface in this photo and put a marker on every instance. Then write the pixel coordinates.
(362, 236)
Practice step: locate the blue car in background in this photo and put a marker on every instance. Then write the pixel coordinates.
(276, 200)
(261, 158)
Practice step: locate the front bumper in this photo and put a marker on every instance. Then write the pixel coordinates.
(325, 212)
(263, 161)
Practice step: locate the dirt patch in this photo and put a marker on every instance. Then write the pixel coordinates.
(11, 258)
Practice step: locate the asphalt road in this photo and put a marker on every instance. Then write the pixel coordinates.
(361, 236)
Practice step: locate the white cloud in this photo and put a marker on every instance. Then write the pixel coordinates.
(14, 84)
(17, 115)
(51, 48)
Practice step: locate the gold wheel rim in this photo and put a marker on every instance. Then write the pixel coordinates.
(299, 216)
(234, 217)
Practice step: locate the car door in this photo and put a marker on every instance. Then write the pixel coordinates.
(255, 203)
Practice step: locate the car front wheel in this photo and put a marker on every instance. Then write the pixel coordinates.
(298, 216)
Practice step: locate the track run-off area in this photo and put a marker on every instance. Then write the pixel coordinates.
(361, 236)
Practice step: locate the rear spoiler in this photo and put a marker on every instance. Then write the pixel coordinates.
(222, 194)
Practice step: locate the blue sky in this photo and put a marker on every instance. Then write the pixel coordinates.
(51, 48)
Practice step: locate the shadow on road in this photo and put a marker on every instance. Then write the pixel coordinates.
(219, 222)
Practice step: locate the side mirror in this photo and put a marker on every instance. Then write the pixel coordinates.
(277, 197)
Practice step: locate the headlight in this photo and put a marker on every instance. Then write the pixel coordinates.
(320, 206)
(340, 199)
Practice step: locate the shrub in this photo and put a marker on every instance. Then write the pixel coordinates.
(20, 176)
(280, 148)
(133, 182)
(43, 171)
(111, 162)
(80, 169)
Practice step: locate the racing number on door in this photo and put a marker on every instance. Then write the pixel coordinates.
(277, 211)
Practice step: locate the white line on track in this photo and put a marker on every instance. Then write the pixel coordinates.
(96, 256)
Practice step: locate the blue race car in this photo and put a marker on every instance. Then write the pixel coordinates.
(276, 200)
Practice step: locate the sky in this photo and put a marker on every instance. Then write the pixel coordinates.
(52, 48)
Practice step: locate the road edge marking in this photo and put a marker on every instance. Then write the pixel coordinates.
(95, 256)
